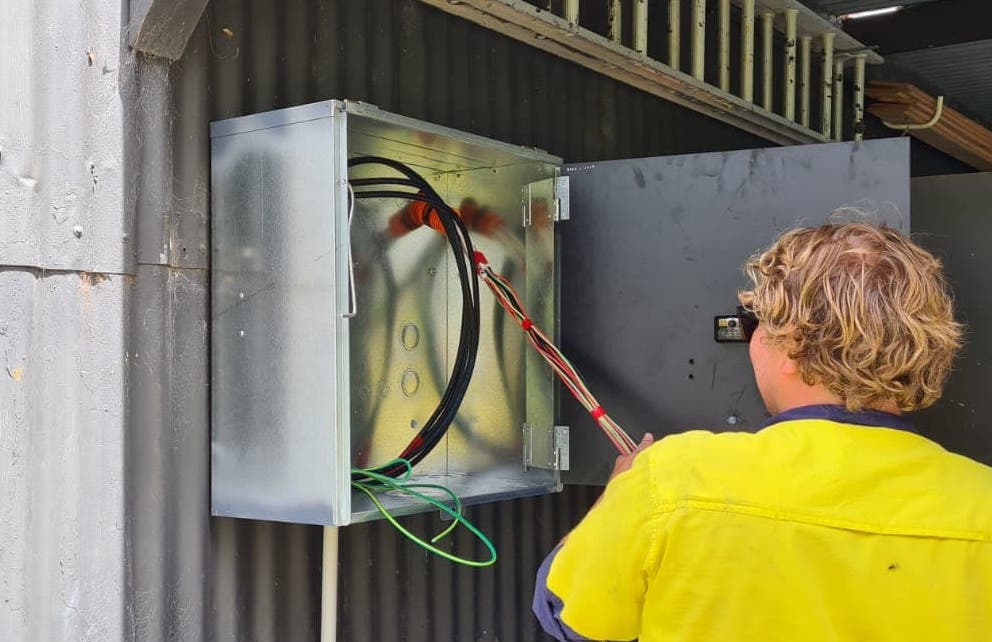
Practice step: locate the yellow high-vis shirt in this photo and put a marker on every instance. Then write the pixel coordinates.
(826, 525)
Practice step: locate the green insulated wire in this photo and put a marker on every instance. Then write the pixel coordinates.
(372, 483)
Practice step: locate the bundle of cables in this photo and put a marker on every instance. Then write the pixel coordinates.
(508, 298)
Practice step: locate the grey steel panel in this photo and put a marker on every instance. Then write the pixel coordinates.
(61, 139)
(62, 427)
(64, 248)
(653, 251)
(279, 290)
(951, 219)
(168, 312)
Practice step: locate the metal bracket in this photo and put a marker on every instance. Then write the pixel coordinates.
(548, 197)
(545, 448)
(561, 198)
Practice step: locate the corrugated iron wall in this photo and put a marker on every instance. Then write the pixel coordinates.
(64, 284)
(197, 578)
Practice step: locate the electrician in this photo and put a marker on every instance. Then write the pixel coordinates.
(837, 521)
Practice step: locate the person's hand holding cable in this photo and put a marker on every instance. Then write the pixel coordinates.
(625, 460)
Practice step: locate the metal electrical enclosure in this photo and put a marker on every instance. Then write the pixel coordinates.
(330, 345)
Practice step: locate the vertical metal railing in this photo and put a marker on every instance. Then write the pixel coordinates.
(859, 96)
(797, 50)
(838, 127)
(698, 39)
(724, 63)
(614, 20)
(747, 50)
(674, 28)
(789, 96)
(572, 11)
(767, 39)
(827, 85)
(641, 26)
(805, 66)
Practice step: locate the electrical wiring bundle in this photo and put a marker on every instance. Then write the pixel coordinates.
(508, 298)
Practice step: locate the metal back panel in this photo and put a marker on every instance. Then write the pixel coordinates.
(653, 251)
(951, 219)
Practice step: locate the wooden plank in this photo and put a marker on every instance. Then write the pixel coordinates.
(954, 133)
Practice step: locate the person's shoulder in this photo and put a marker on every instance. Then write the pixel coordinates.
(702, 444)
(696, 461)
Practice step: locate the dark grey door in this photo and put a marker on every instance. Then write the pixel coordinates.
(952, 220)
(653, 252)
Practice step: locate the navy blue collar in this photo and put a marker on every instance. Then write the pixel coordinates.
(842, 415)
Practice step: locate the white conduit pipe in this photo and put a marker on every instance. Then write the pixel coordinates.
(329, 586)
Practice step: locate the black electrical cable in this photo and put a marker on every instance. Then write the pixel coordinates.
(461, 245)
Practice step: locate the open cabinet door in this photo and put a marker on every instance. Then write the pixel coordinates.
(653, 252)
(952, 221)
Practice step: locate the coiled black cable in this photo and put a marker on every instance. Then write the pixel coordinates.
(468, 342)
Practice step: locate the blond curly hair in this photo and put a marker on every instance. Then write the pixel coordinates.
(861, 309)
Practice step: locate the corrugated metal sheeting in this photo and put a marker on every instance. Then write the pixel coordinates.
(105, 531)
(63, 295)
